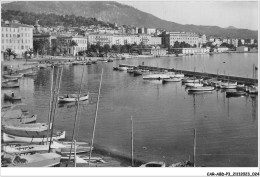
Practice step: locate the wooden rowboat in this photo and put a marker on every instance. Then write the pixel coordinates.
(235, 94)
(26, 127)
(34, 160)
(10, 97)
(174, 79)
(10, 85)
(72, 98)
(200, 89)
(29, 137)
(154, 164)
(13, 76)
(194, 85)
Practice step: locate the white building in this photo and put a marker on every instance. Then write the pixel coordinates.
(242, 49)
(16, 36)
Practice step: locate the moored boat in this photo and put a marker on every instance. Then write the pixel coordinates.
(13, 76)
(154, 164)
(72, 98)
(200, 89)
(121, 68)
(195, 84)
(9, 80)
(30, 74)
(20, 120)
(191, 80)
(173, 79)
(30, 137)
(34, 160)
(11, 97)
(10, 85)
(26, 127)
(235, 94)
(157, 76)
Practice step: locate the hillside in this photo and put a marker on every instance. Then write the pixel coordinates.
(113, 12)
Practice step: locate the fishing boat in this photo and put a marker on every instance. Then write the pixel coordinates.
(154, 164)
(10, 85)
(9, 80)
(20, 120)
(11, 97)
(26, 148)
(32, 160)
(72, 98)
(26, 127)
(173, 79)
(13, 76)
(200, 89)
(193, 84)
(31, 137)
(235, 94)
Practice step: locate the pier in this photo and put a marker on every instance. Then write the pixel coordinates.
(246, 81)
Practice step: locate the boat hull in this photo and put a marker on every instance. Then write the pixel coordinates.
(201, 89)
(67, 100)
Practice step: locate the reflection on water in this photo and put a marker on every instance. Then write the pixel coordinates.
(164, 115)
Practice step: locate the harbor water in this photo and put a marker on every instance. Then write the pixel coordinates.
(164, 115)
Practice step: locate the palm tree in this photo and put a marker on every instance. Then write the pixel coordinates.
(10, 52)
(73, 44)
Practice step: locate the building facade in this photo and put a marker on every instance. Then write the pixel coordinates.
(168, 39)
(16, 36)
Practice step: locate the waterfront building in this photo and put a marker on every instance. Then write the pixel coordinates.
(242, 41)
(235, 42)
(45, 36)
(188, 51)
(252, 41)
(222, 49)
(82, 43)
(150, 40)
(151, 31)
(242, 49)
(101, 38)
(16, 36)
(171, 37)
(156, 51)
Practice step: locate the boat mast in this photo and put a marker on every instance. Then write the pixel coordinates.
(194, 148)
(95, 121)
(132, 138)
(75, 121)
(50, 105)
(56, 102)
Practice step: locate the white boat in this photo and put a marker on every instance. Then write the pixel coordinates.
(224, 86)
(13, 76)
(7, 137)
(35, 160)
(228, 83)
(9, 80)
(199, 89)
(20, 120)
(173, 79)
(18, 148)
(179, 75)
(72, 98)
(194, 84)
(123, 68)
(156, 76)
(252, 89)
(26, 127)
(154, 164)
(191, 80)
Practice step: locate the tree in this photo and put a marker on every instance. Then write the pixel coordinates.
(106, 48)
(73, 44)
(239, 43)
(176, 44)
(10, 52)
(40, 46)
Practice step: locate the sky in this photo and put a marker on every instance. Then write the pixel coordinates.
(240, 14)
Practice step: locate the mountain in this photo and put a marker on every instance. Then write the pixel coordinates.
(115, 12)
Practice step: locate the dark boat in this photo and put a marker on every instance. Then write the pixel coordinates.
(235, 94)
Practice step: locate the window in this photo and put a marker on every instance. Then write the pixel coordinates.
(10, 41)
(22, 47)
(10, 35)
(14, 29)
(3, 35)
(6, 35)
(14, 35)
(10, 30)
(3, 40)
(6, 29)
(6, 40)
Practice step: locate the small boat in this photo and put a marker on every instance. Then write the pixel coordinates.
(138, 72)
(13, 76)
(10, 80)
(235, 94)
(31, 137)
(115, 68)
(200, 89)
(183, 164)
(195, 84)
(173, 79)
(31, 63)
(30, 74)
(10, 85)
(191, 80)
(26, 127)
(11, 97)
(42, 66)
(179, 75)
(110, 60)
(32, 160)
(154, 164)
(130, 70)
(122, 68)
(88, 63)
(227, 86)
(21, 120)
(24, 148)
(72, 98)
(156, 76)
(252, 89)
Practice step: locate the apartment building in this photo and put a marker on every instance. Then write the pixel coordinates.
(16, 36)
